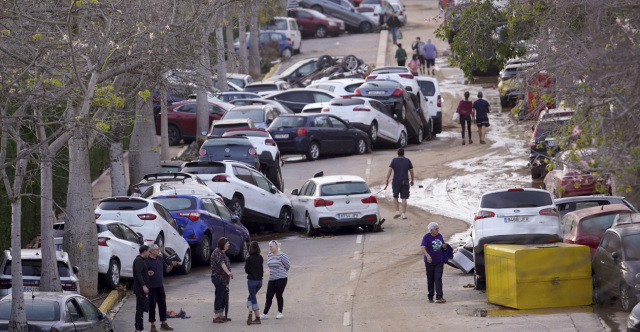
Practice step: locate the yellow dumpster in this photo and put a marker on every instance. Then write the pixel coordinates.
(538, 276)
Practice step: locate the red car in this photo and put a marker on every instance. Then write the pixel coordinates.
(586, 226)
(316, 24)
(182, 119)
(567, 178)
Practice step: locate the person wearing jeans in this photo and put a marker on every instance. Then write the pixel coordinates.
(253, 268)
(157, 295)
(394, 24)
(465, 109)
(278, 263)
(432, 248)
(220, 276)
(140, 282)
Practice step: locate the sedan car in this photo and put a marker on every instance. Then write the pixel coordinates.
(57, 312)
(315, 134)
(149, 179)
(332, 202)
(568, 178)
(316, 24)
(343, 10)
(568, 204)
(229, 148)
(204, 220)
(181, 117)
(297, 98)
(261, 115)
(150, 219)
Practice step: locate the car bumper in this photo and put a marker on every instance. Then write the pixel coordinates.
(515, 239)
(331, 222)
(297, 145)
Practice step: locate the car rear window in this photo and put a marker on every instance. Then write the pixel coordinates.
(260, 87)
(219, 129)
(256, 115)
(178, 203)
(33, 268)
(125, 204)
(346, 101)
(204, 169)
(427, 88)
(380, 84)
(344, 188)
(36, 310)
(226, 141)
(516, 199)
(275, 25)
(287, 121)
(545, 128)
(248, 133)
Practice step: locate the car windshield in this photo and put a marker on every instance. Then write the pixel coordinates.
(427, 88)
(275, 25)
(33, 268)
(204, 169)
(317, 14)
(515, 199)
(127, 204)
(631, 247)
(36, 310)
(256, 115)
(287, 122)
(597, 224)
(226, 141)
(177, 203)
(344, 188)
(237, 81)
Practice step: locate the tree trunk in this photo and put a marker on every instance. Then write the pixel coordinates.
(164, 123)
(232, 61)
(144, 157)
(18, 319)
(254, 52)
(242, 37)
(204, 72)
(118, 177)
(221, 62)
(50, 278)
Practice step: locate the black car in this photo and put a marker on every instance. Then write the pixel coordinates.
(393, 94)
(544, 144)
(150, 179)
(314, 134)
(297, 99)
(229, 148)
(615, 265)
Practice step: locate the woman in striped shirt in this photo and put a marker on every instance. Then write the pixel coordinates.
(278, 264)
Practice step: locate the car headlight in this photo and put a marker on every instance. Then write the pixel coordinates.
(332, 24)
(633, 321)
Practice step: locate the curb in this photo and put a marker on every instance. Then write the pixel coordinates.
(114, 297)
(271, 71)
(381, 56)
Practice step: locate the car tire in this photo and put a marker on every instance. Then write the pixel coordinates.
(418, 139)
(160, 242)
(324, 61)
(174, 135)
(373, 132)
(402, 140)
(597, 295)
(321, 31)
(504, 101)
(275, 176)
(286, 53)
(361, 146)
(350, 62)
(185, 268)
(308, 226)
(428, 132)
(402, 112)
(478, 280)
(204, 249)
(244, 251)
(365, 27)
(628, 298)
(536, 173)
(284, 220)
(437, 126)
(317, 8)
(313, 151)
(112, 278)
(237, 207)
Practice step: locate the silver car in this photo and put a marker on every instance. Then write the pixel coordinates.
(57, 312)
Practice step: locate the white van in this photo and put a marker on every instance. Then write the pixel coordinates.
(289, 27)
(431, 92)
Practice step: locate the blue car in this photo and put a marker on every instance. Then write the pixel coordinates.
(203, 220)
(285, 46)
(317, 133)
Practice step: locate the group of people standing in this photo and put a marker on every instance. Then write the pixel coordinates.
(423, 61)
(477, 112)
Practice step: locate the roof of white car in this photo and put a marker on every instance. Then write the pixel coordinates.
(337, 178)
(37, 254)
(341, 81)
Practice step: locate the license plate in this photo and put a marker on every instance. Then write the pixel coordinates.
(516, 219)
(58, 247)
(31, 289)
(282, 136)
(377, 92)
(347, 215)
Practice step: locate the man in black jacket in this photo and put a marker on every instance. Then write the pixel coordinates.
(140, 282)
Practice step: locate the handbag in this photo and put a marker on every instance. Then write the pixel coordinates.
(456, 116)
(399, 35)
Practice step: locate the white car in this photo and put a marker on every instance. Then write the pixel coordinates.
(289, 27)
(331, 202)
(513, 216)
(314, 107)
(343, 87)
(150, 219)
(176, 188)
(431, 93)
(370, 12)
(266, 88)
(239, 80)
(248, 194)
(370, 116)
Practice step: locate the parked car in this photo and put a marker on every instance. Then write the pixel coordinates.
(287, 26)
(32, 269)
(182, 121)
(149, 179)
(150, 219)
(512, 216)
(296, 71)
(430, 89)
(262, 88)
(249, 195)
(370, 116)
(221, 126)
(204, 220)
(282, 109)
(333, 202)
(544, 144)
(554, 113)
(568, 204)
(397, 73)
(261, 115)
(633, 324)
(314, 107)
(232, 95)
(343, 87)
(297, 98)
(398, 7)
(285, 48)
(241, 80)
(162, 189)
(372, 13)
(315, 23)
(170, 166)
(315, 134)
(52, 311)
(568, 178)
(229, 148)
(396, 98)
(377, 6)
(586, 226)
(615, 265)
(343, 10)
(510, 86)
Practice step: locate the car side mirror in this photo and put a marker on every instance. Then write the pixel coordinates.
(102, 315)
(615, 255)
(235, 219)
(294, 192)
(75, 269)
(273, 189)
(140, 238)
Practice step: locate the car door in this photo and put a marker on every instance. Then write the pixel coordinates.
(298, 205)
(294, 31)
(267, 200)
(79, 318)
(603, 264)
(305, 201)
(387, 125)
(214, 222)
(124, 246)
(295, 100)
(305, 21)
(247, 185)
(322, 131)
(232, 231)
(93, 316)
(173, 239)
(185, 116)
(345, 139)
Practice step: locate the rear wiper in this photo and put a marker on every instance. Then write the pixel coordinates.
(284, 127)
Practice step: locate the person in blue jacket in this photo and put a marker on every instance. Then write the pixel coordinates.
(433, 246)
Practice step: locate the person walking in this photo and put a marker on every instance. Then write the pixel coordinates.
(220, 276)
(401, 168)
(430, 54)
(401, 55)
(481, 110)
(157, 295)
(278, 264)
(394, 24)
(254, 270)
(140, 285)
(417, 48)
(432, 249)
(414, 65)
(465, 109)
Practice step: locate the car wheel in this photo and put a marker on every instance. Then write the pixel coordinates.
(361, 146)
(160, 243)
(284, 220)
(237, 207)
(286, 53)
(627, 298)
(402, 141)
(597, 296)
(402, 113)
(437, 126)
(317, 8)
(419, 136)
(321, 31)
(174, 135)
(428, 133)
(373, 132)
(313, 152)
(244, 251)
(186, 263)
(478, 280)
(204, 249)
(365, 27)
(350, 62)
(308, 229)
(112, 278)
(275, 176)
(504, 101)
(324, 61)
(536, 173)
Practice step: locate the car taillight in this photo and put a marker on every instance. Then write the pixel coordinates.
(301, 131)
(484, 214)
(102, 241)
(193, 216)
(370, 77)
(270, 142)
(136, 189)
(321, 202)
(439, 101)
(289, 40)
(53, 329)
(147, 216)
(220, 178)
(361, 108)
(400, 13)
(357, 92)
(370, 200)
(325, 110)
(549, 212)
(252, 151)
(97, 215)
(409, 76)
(5, 284)
(347, 96)
(515, 189)
(202, 152)
(220, 200)
(69, 286)
(397, 92)
(587, 240)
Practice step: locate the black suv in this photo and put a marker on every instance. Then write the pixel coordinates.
(545, 144)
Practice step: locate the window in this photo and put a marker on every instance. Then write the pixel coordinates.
(276, 36)
(129, 234)
(294, 25)
(304, 188)
(311, 189)
(177, 203)
(321, 97)
(36, 310)
(243, 174)
(320, 122)
(115, 229)
(223, 210)
(261, 181)
(296, 97)
(631, 245)
(301, 14)
(427, 88)
(188, 108)
(264, 38)
(344, 188)
(516, 199)
(122, 205)
(214, 109)
(205, 169)
(162, 211)
(75, 313)
(337, 123)
(209, 206)
(33, 268)
(90, 311)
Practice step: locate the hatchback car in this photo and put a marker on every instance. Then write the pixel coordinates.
(332, 202)
(149, 179)
(219, 127)
(150, 219)
(204, 220)
(57, 312)
(240, 80)
(229, 148)
(568, 204)
(568, 178)
(161, 189)
(343, 87)
(249, 195)
(281, 108)
(267, 150)
(370, 116)
(615, 265)
(182, 121)
(297, 98)
(285, 48)
(32, 269)
(343, 10)
(287, 26)
(512, 216)
(316, 24)
(264, 88)
(315, 134)
(261, 115)
(544, 144)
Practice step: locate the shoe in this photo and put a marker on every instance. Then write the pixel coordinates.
(279, 316)
(264, 316)
(218, 320)
(463, 141)
(397, 215)
(441, 300)
(256, 321)
(470, 142)
(433, 72)
(250, 319)
(404, 216)
(482, 142)
(430, 300)
(153, 329)
(165, 327)
(226, 319)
